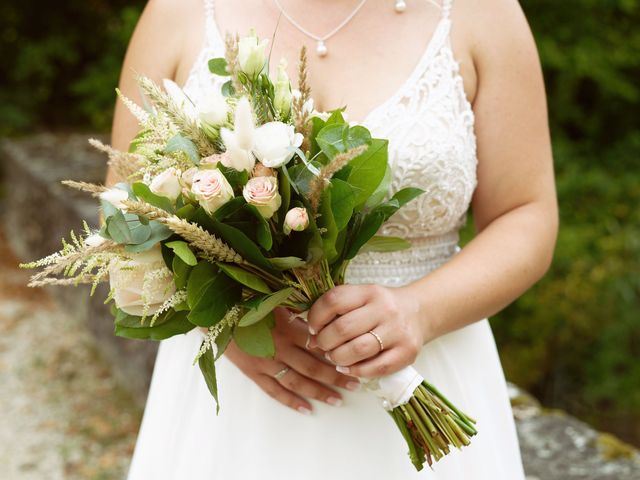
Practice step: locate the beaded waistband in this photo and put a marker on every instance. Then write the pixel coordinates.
(403, 266)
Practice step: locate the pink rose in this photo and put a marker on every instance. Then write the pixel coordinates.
(297, 219)
(211, 189)
(262, 192)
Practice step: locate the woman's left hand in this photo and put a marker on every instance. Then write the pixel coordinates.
(341, 321)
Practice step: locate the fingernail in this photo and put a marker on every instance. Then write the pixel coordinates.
(327, 355)
(304, 410)
(312, 330)
(313, 343)
(335, 401)
(353, 386)
(342, 369)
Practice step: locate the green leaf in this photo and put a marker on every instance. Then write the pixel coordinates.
(263, 231)
(367, 171)
(339, 137)
(379, 243)
(143, 192)
(266, 304)
(218, 66)
(366, 229)
(123, 319)
(176, 325)
(140, 232)
(285, 193)
(214, 300)
(201, 276)
(256, 339)
(178, 143)
(407, 194)
(328, 224)
(229, 208)
(286, 263)
(241, 243)
(227, 89)
(247, 279)
(208, 368)
(118, 229)
(342, 202)
(182, 250)
(381, 190)
(181, 272)
(159, 233)
(223, 339)
(236, 178)
(186, 212)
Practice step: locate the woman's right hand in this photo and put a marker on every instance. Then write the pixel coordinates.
(309, 375)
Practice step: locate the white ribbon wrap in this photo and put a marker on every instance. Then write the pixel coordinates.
(395, 389)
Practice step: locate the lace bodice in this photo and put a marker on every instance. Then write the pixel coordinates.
(432, 145)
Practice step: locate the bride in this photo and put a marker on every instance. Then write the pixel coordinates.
(457, 89)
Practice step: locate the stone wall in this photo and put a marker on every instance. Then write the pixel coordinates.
(37, 211)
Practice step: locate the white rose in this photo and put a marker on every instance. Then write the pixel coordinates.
(180, 99)
(115, 197)
(167, 184)
(211, 189)
(127, 280)
(273, 142)
(282, 96)
(213, 109)
(296, 219)
(251, 54)
(262, 192)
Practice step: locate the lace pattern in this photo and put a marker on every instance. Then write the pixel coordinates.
(430, 126)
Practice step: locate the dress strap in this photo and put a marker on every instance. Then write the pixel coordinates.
(211, 29)
(446, 8)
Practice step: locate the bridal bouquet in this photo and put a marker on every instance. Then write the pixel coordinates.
(248, 201)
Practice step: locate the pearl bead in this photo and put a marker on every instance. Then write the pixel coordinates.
(321, 49)
(401, 6)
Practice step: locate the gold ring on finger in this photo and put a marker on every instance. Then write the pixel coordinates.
(378, 339)
(281, 373)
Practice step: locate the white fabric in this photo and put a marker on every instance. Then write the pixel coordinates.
(395, 389)
(429, 123)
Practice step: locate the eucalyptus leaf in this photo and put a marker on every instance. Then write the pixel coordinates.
(118, 229)
(218, 66)
(266, 305)
(159, 232)
(178, 143)
(227, 89)
(287, 263)
(256, 339)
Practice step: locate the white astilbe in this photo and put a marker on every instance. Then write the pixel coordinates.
(77, 262)
(150, 285)
(174, 300)
(228, 321)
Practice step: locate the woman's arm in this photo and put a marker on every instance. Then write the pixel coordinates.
(514, 207)
(154, 51)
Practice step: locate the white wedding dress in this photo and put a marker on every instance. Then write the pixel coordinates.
(429, 123)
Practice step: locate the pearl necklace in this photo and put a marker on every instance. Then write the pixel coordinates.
(321, 46)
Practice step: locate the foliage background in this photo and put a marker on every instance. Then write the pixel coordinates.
(574, 339)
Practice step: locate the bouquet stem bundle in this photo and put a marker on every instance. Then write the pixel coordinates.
(430, 424)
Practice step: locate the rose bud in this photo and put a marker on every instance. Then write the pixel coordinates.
(167, 184)
(211, 189)
(262, 192)
(297, 219)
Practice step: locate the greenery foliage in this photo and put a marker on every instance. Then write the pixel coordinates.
(574, 339)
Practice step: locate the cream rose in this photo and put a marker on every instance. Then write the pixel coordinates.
(167, 184)
(297, 219)
(274, 143)
(115, 197)
(211, 189)
(262, 192)
(251, 54)
(130, 291)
